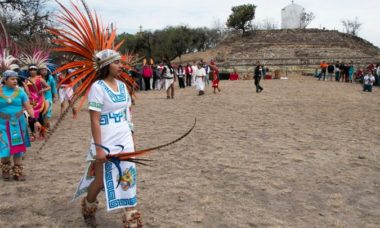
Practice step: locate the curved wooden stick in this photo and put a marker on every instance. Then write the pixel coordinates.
(130, 156)
(124, 156)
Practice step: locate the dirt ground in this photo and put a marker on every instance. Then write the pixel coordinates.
(303, 153)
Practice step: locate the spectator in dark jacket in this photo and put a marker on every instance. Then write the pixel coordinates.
(342, 69)
(258, 74)
(337, 71)
(330, 71)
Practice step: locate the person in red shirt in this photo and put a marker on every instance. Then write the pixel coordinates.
(215, 78)
(188, 72)
(147, 75)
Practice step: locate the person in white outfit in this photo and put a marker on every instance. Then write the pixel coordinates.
(169, 79)
(369, 79)
(200, 77)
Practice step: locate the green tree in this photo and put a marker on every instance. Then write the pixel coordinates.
(171, 42)
(25, 19)
(129, 44)
(241, 17)
(140, 43)
(198, 40)
(213, 37)
(181, 41)
(144, 43)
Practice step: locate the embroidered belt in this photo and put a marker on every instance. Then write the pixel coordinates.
(8, 117)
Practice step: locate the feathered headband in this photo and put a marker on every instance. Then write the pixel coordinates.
(38, 58)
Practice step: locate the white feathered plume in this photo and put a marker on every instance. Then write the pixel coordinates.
(7, 61)
(38, 58)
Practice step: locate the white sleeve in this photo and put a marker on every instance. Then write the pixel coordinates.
(95, 98)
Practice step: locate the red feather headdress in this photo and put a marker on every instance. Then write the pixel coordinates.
(84, 36)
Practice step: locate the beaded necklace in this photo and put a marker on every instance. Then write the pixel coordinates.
(9, 98)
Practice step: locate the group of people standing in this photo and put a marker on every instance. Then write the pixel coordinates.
(346, 72)
(26, 99)
(341, 71)
(165, 75)
(27, 95)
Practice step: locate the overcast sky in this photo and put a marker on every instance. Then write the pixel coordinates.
(157, 14)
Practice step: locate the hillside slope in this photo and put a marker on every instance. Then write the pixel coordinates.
(289, 47)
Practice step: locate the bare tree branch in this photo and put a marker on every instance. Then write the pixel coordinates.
(306, 19)
(25, 18)
(351, 26)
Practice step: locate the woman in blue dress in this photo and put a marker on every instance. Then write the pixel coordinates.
(50, 94)
(13, 126)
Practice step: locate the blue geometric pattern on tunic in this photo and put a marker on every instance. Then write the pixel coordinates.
(113, 202)
(116, 116)
(105, 119)
(115, 97)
